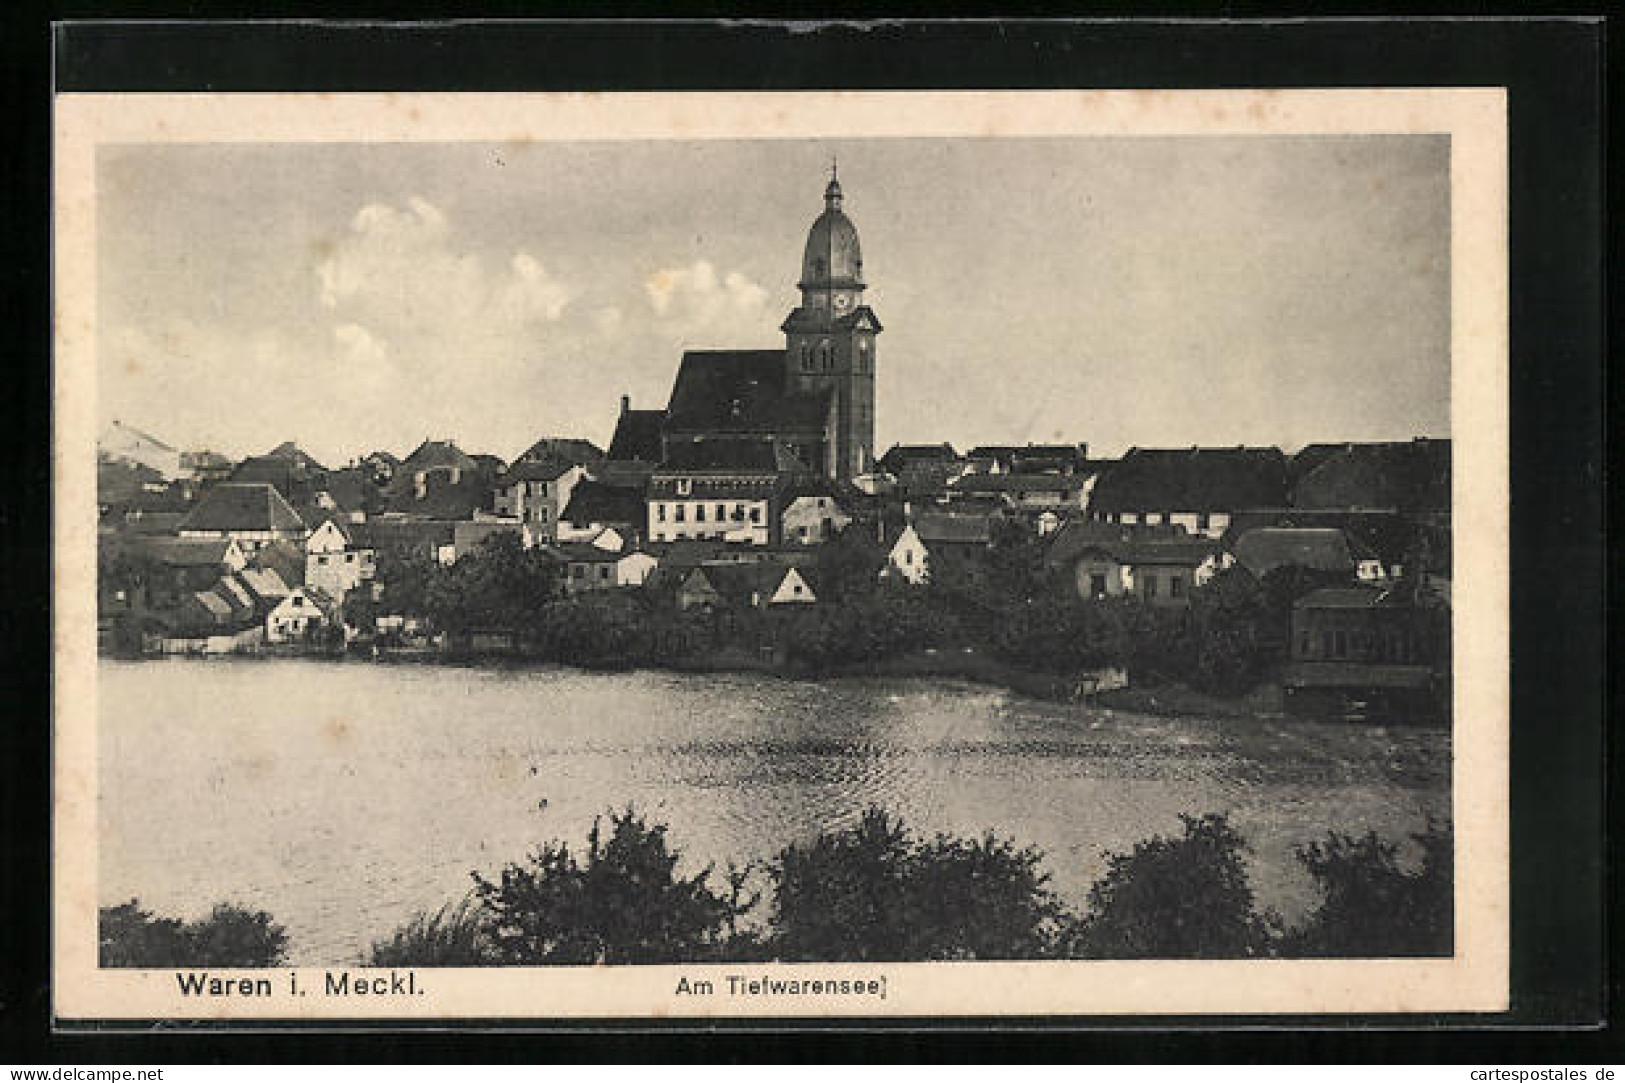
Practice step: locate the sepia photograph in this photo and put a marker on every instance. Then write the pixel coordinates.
(779, 554)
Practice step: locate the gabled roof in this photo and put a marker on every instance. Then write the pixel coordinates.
(1321, 549)
(637, 436)
(439, 454)
(264, 583)
(1132, 545)
(900, 454)
(738, 583)
(231, 506)
(1193, 480)
(287, 560)
(396, 534)
(535, 470)
(594, 502)
(291, 452)
(120, 480)
(1411, 476)
(186, 552)
(741, 391)
(569, 448)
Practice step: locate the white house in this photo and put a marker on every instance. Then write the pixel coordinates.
(907, 557)
(590, 568)
(812, 519)
(536, 494)
(332, 564)
(297, 615)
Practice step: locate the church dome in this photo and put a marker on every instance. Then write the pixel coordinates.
(832, 256)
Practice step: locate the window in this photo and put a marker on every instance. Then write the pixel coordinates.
(824, 352)
(603, 571)
(699, 513)
(722, 513)
(349, 558)
(1150, 586)
(756, 515)
(577, 571)
(1175, 585)
(677, 512)
(806, 357)
(660, 513)
(685, 486)
(298, 601)
(908, 556)
(1097, 584)
(322, 560)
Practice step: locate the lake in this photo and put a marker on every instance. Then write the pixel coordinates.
(343, 797)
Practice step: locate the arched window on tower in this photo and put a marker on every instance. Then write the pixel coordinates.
(806, 357)
(824, 355)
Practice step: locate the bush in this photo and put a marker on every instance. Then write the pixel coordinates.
(1373, 907)
(231, 936)
(455, 935)
(625, 904)
(1183, 898)
(873, 893)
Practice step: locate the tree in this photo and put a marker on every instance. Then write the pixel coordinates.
(624, 904)
(872, 892)
(1372, 907)
(849, 566)
(231, 936)
(498, 585)
(1181, 898)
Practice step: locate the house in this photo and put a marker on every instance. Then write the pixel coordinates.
(293, 473)
(1029, 458)
(284, 558)
(1410, 477)
(299, 615)
(159, 572)
(933, 532)
(206, 467)
(536, 493)
(1199, 489)
(1325, 551)
(334, 564)
(587, 567)
(439, 481)
(1160, 565)
(254, 515)
(568, 449)
(595, 507)
(749, 586)
(435, 539)
(1363, 651)
(1063, 494)
(899, 456)
(723, 490)
(812, 515)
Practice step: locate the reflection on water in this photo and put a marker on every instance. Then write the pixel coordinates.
(344, 797)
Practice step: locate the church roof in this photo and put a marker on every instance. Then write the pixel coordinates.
(737, 456)
(740, 391)
(832, 256)
(637, 436)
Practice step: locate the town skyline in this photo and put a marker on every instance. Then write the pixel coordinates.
(373, 297)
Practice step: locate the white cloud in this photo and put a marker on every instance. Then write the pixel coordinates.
(400, 270)
(693, 300)
(359, 346)
(609, 321)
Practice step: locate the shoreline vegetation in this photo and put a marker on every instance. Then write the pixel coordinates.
(1004, 618)
(872, 892)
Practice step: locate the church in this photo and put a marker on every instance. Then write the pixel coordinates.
(809, 405)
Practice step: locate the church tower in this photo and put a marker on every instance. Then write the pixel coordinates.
(830, 338)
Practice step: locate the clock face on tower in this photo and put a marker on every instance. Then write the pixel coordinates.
(841, 301)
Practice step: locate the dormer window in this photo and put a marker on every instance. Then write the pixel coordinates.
(685, 486)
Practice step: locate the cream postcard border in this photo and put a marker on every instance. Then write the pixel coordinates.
(1474, 979)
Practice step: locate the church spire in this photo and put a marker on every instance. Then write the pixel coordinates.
(832, 193)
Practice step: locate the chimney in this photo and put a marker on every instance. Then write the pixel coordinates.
(626, 405)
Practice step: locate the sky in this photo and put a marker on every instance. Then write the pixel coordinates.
(1114, 291)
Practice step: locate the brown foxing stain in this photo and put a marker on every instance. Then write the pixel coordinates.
(336, 730)
(322, 247)
(132, 367)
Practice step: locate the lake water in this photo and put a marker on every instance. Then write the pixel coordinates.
(343, 797)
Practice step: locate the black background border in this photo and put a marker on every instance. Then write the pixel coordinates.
(1554, 70)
